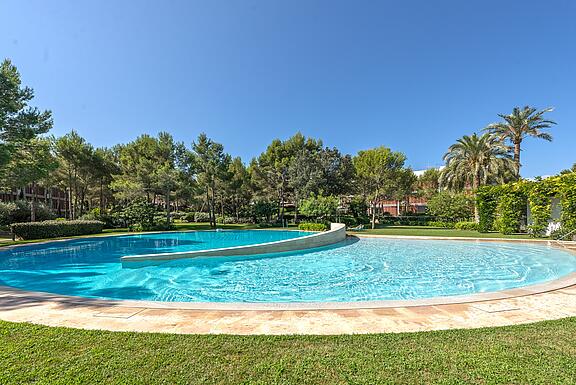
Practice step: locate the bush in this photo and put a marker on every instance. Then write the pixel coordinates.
(466, 226)
(96, 215)
(444, 225)
(201, 217)
(310, 226)
(319, 207)
(139, 215)
(451, 207)
(53, 229)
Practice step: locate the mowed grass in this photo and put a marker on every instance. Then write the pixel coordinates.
(426, 231)
(541, 353)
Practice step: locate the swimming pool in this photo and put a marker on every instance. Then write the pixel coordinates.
(364, 269)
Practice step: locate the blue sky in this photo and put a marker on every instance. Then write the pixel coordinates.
(410, 75)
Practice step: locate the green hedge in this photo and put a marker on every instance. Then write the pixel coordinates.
(54, 229)
(486, 202)
(444, 225)
(467, 226)
(510, 210)
(308, 226)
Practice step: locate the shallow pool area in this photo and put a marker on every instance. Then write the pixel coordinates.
(358, 269)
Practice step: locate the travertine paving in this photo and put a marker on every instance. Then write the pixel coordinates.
(552, 300)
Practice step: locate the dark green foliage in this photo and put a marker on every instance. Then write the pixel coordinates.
(55, 229)
(263, 210)
(309, 226)
(413, 220)
(19, 211)
(358, 208)
(451, 207)
(466, 226)
(140, 215)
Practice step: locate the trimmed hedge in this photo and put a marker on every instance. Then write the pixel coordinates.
(308, 226)
(54, 229)
(467, 226)
(444, 225)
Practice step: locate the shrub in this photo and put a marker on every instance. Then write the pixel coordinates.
(310, 226)
(451, 207)
(319, 207)
(444, 225)
(140, 214)
(53, 229)
(466, 226)
(96, 215)
(201, 217)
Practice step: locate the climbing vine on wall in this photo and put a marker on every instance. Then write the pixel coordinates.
(486, 202)
(511, 208)
(567, 192)
(540, 201)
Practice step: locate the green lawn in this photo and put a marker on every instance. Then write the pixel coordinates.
(541, 353)
(436, 232)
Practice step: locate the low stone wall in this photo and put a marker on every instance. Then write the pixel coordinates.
(336, 234)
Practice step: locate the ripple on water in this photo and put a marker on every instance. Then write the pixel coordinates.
(361, 270)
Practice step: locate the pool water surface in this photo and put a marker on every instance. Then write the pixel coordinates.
(358, 269)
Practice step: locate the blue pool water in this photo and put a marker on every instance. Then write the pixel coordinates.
(354, 270)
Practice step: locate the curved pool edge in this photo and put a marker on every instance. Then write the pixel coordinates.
(337, 233)
(539, 288)
(141, 316)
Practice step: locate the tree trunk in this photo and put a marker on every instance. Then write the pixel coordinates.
(373, 214)
(33, 203)
(101, 196)
(168, 207)
(517, 158)
(475, 185)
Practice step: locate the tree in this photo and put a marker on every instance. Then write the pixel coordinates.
(378, 170)
(239, 189)
(211, 163)
(522, 122)
(270, 172)
(32, 161)
(19, 123)
(474, 161)
(320, 207)
(428, 184)
(448, 206)
(304, 176)
(76, 157)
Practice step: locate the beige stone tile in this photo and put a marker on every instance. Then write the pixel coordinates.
(118, 312)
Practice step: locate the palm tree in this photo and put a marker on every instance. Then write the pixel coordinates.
(521, 123)
(474, 161)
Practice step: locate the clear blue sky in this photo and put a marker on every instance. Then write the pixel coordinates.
(410, 75)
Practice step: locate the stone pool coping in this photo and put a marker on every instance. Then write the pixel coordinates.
(549, 300)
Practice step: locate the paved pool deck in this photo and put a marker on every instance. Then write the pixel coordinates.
(551, 300)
